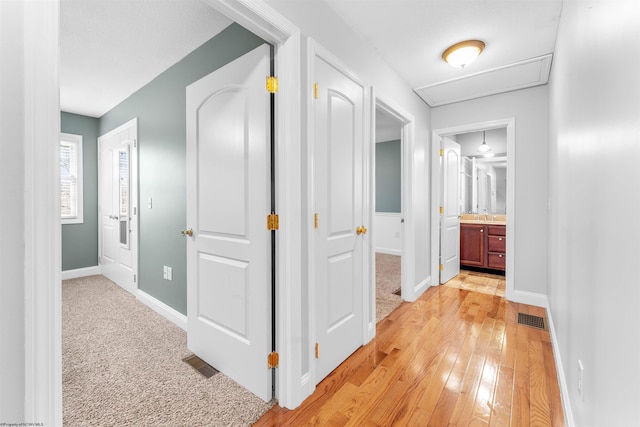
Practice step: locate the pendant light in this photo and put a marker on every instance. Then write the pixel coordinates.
(484, 147)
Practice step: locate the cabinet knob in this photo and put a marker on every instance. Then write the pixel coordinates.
(500, 238)
(500, 255)
(482, 230)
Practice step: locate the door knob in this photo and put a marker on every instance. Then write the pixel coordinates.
(188, 232)
(364, 230)
(359, 230)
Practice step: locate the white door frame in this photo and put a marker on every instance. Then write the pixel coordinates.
(43, 355)
(409, 291)
(133, 191)
(256, 16)
(436, 189)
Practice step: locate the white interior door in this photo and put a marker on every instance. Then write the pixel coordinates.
(228, 195)
(450, 219)
(118, 207)
(338, 201)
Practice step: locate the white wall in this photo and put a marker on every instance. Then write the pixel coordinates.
(317, 20)
(12, 257)
(594, 152)
(388, 233)
(30, 354)
(529, 107)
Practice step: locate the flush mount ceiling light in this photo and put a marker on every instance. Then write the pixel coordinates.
(464, 53)
(484, 147)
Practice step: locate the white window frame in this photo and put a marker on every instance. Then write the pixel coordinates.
(76, 140)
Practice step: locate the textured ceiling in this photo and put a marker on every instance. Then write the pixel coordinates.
(111, 48)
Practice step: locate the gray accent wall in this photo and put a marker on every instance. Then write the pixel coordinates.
(160, 107)
(389, 176)
(80, 241)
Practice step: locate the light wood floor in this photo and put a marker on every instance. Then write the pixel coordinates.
(485, 283)
(454, 357)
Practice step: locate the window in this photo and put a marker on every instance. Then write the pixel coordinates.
(71, 178)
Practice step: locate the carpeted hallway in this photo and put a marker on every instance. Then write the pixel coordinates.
(122, 366)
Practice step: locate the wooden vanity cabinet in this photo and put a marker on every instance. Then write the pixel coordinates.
(483, 246)
(472, 252)
(496, 246)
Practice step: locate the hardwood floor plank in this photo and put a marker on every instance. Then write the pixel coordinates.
(463, 412)
(486, 391)
(429, 391)
(553, 388)
(444, 408)
(540, 411)
(520, 412)
(501, 410)
(453, 357)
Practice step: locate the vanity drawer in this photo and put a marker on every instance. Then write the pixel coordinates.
(496, 243)
(496, 230)
(496, 260)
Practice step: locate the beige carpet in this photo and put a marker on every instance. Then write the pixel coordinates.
(122, 366)
(387, 282)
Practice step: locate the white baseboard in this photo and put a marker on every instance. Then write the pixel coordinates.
(172, 315)
(389, 251)
(530, 298)
(306, 388)
(371, 332)
(562, 379)
(80, 272)
(419, 289)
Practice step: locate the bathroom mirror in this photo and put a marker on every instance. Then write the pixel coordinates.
(484, 175)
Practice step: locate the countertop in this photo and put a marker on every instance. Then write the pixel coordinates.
(480, 219)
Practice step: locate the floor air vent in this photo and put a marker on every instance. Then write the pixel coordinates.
(532, 321)
(200, 365)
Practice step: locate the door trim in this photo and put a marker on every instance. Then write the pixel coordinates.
(292, 382)
(133, 188)
(409, 290)
(436, 188)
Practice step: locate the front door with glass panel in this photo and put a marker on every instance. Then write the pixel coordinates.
(117, 209)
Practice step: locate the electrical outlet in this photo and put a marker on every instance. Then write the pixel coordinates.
(580, 380)
(169, 273)
(150, 203)
(164, 272)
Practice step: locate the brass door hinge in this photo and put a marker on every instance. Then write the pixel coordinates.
(441, 209)
(273, 359)
(442, 152)
(273, 223)
(317, 351)
(315, 221)
(272, 84)
(441, 267)
(315, 91)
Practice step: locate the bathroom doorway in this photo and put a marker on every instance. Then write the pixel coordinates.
(486, 181)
